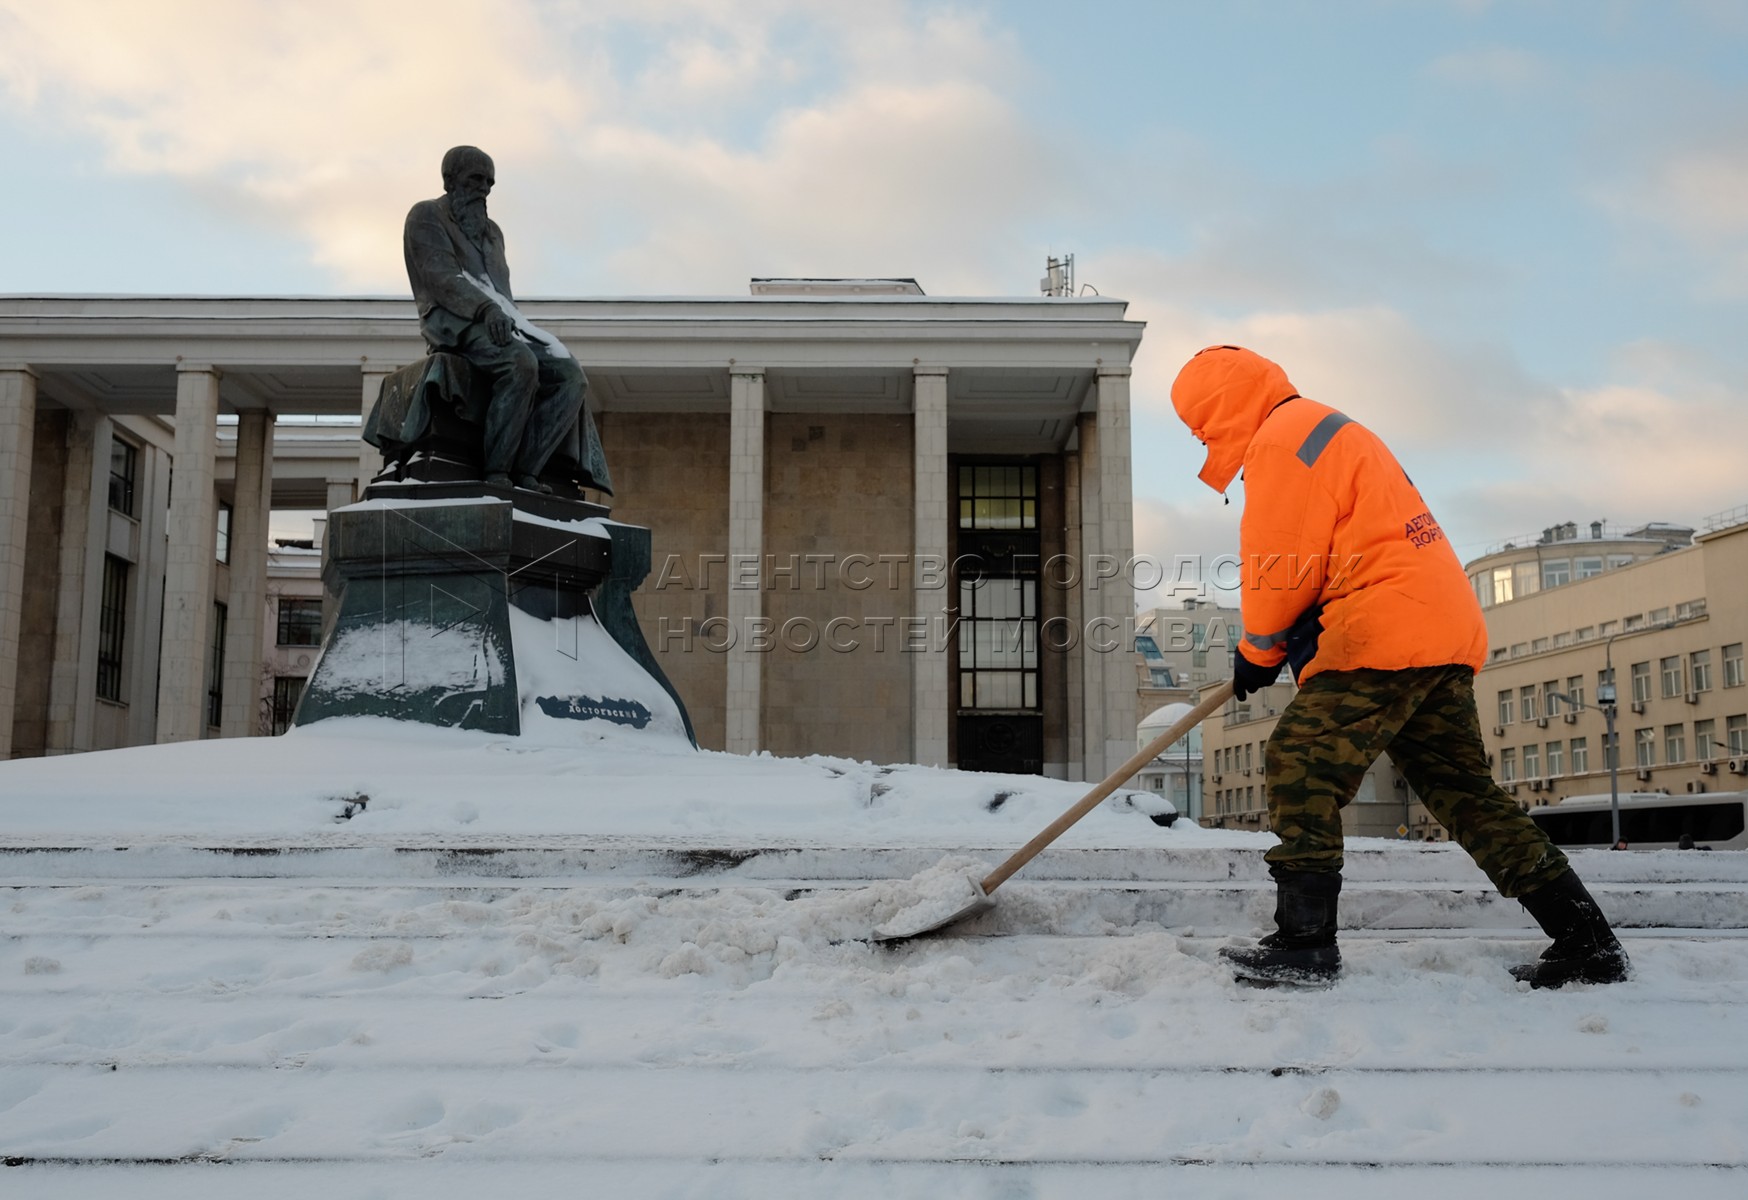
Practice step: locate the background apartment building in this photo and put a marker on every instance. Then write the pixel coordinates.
(1666, 614)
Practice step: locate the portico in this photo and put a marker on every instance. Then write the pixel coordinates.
(801, 461)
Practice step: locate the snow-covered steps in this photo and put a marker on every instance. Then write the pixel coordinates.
(1079, 891)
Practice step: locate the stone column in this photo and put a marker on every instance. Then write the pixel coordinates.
(1074, 606)
(244, 633)
(369, 457)
(17, 433)
(746, 550)
(1092, 595)
(1116, 517)
(188, 570)
(931, 581)
(79, 599)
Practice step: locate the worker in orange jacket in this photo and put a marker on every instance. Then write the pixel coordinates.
(1348, 579)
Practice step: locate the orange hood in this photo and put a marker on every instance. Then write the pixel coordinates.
(1223, 394)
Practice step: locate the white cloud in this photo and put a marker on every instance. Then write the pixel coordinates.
(331, 118)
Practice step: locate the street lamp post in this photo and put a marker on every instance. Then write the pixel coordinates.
(1605, 696)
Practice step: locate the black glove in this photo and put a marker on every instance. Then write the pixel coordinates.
(1302, 639)
(1247, 677)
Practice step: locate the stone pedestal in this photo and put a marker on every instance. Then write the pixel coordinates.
(472, 607)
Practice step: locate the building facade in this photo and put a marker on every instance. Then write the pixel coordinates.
(1668, 623)
(882, 521)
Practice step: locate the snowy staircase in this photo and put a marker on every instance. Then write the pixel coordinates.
(1213, 891)
(453, 1018)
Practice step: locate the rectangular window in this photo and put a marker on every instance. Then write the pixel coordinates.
(1507, 765)
(1659, 616)
(1674, 743)
(1506, 707)
(1733, 665)
(998, 643)
(1526, 580)
(124, 466)
(1705, 740)
(1551, 698)
(1575, 690)
(1556, 572)
(1526, 702)
(287, 691)
(300, 621)
(1501, 584)
(222, 550)
(1532, 762)
(1736, 734)
(1556, 759)
(1642, 682)
(1580, 755)
(112, 627)
(1672, 680)
(1635, 621)
(1586, 632)
(215, 677)
(1537, 645)
(1645, 747)
(1606, 628)
(998, 497)
(1586, 568)
(1699, 670)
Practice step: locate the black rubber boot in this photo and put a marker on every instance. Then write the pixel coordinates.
(1302, 949)
(1585, 949)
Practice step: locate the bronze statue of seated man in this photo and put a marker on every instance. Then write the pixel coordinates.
(498, 398)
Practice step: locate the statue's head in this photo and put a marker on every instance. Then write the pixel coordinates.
(468, 170)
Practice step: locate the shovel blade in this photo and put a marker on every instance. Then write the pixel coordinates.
(936, 912)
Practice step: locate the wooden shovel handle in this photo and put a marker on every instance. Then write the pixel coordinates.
(1112, 782)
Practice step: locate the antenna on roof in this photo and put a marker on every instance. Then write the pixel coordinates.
(1058, 276)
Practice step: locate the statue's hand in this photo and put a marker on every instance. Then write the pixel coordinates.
(499, 327)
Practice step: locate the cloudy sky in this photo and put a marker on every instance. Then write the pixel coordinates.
(1510, 236)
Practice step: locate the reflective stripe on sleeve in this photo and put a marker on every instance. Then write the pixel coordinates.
(1318, 439)
(1265, 641)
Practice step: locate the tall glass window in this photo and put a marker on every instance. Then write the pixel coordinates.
(1642, 682)
(998, 497)
(1580, 755)
(998, 643)
(1674, 743)
(215, 676)
(1699, 668)
(1671, 671)
(112, 627)
(124, 465)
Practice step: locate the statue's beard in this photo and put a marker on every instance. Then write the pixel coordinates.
(469, 213)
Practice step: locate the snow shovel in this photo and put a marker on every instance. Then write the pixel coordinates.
(969, 895)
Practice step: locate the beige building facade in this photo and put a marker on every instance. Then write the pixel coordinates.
(886, 526)
(1670, 623)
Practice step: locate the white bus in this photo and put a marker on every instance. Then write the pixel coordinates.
(1650, 821)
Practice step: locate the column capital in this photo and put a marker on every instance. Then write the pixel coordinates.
(921, 369)
(19, 368)
(1114, 370)
(197, 368)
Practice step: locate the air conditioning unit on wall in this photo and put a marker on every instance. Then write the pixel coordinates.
(1708, 768)
(1644, 773)
(1739, 766)
(1571, 718)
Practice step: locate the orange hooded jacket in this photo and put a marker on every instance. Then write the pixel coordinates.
(1331, 519)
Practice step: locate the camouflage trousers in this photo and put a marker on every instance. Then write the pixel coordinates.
(1425, 717)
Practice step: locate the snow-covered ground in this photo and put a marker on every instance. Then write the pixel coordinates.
(614, 966)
